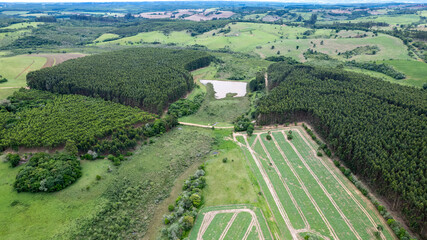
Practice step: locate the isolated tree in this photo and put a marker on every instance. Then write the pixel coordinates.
(71, 148)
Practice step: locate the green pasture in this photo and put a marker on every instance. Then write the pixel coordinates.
(269, 40)
(45, 215)
(221, 112)
(229, 182)
(15, 70)
(23, 25)
(415, 71)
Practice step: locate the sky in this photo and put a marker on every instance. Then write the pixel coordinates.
(293, 1)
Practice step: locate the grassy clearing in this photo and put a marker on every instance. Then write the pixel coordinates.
(230, 182)
(42, 216)
(221, 112)
(325, 185)
(415, 71)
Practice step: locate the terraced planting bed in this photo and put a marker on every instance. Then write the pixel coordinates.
(230, 222)
(306, 193)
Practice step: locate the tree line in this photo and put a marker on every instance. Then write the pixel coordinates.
(377, 128)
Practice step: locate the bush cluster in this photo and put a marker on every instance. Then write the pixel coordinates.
(48, 173)
(13, 159)
(183, 214)
(185, 107)
(382, 68)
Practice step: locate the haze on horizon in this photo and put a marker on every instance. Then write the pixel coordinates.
(284, 1)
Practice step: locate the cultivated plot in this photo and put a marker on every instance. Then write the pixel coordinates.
(230, 222)
(307, 194)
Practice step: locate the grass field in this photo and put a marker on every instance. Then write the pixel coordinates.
(230, 222)
(218, 112)
(106, 36)
(306, 193)
(415, 71)
(260, 38)
(45, 215)
(15, 70)
(23, 25)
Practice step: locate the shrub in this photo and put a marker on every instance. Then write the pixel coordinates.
(171, 208)
(13, 159)
(98, 177)
(224, 160)
(268, 137)
(319, 154)
(71, 148)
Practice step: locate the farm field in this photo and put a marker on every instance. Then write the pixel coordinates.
(15, 70)
(306, 193)
(230, 222)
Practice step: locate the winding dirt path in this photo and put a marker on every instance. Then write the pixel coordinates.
(203, 126)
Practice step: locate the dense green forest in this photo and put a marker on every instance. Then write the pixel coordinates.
(149, 78)
(377, 128)
(33, 118)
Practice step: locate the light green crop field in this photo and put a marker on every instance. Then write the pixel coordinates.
(415, 71)
(43, 215)
(15, 70)
(23, 25)
(230, 222)
(306, 193)
(260, 38)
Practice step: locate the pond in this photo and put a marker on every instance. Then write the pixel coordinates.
(221, 88)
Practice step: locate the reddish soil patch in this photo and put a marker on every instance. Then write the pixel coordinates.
(209, 15)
